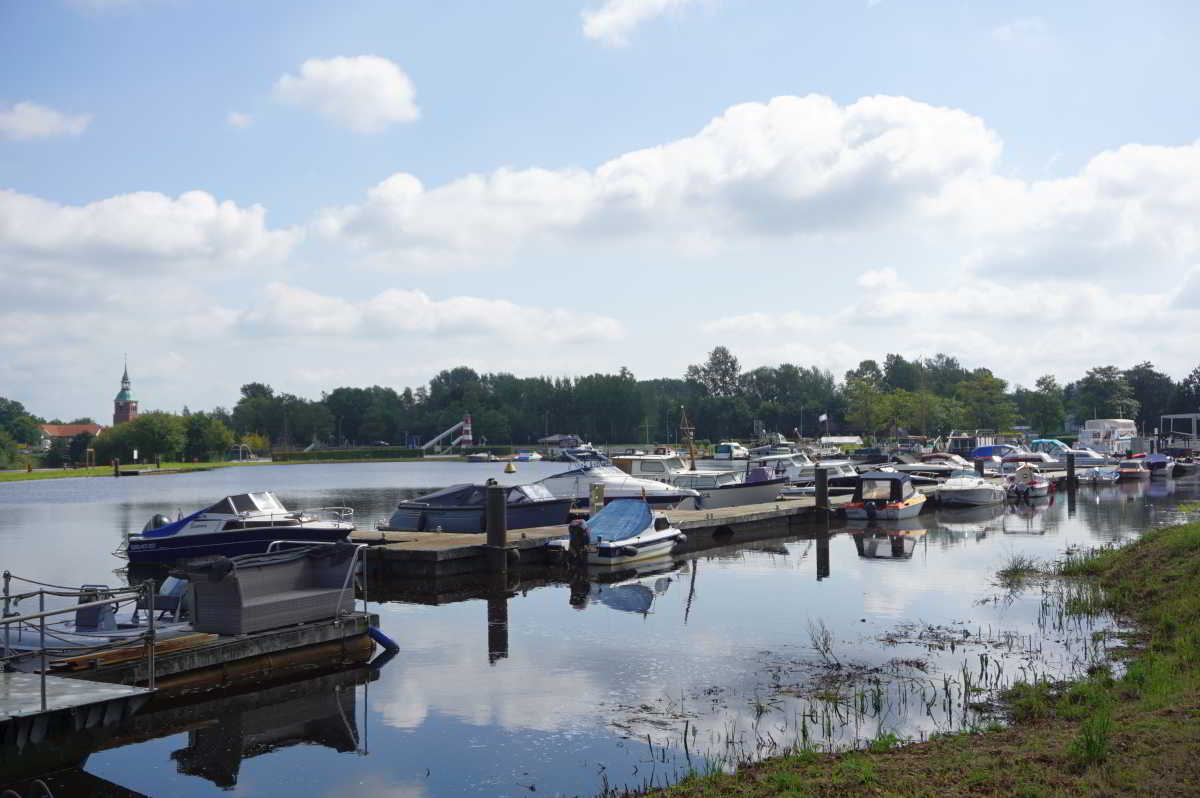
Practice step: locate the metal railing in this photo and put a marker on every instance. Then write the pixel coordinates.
(9, 618)
(350, 570)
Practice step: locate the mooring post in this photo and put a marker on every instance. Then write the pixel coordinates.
(497, 529)
(595, 498)
(1070, 470)
(821, 492)
(979, 466)
(116, 464)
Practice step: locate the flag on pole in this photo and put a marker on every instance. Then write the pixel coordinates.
(823, 417)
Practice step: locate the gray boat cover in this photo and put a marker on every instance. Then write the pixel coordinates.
(619, 519)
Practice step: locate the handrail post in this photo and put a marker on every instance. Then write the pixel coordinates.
(150, 632)
(7, 610)
(42, 626)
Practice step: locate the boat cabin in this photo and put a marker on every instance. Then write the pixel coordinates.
(884, 486)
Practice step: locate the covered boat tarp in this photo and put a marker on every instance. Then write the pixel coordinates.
(468, 495)
(883, 485)
(996, 450)
(620, 519)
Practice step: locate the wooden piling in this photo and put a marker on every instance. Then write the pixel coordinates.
(497, 529)
(1070, 469)
(821, 489)
(116, 465)
(979, 466)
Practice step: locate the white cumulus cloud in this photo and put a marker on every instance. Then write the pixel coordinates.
(288, 310)
(365, 93)
(616, 19)
(792, 166)
(239, 119)
(26, 120)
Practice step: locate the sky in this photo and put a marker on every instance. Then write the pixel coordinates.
(314, 194)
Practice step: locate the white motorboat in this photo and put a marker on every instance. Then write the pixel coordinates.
(885, 496)
(1097, 476)
(729, 489)
(241, 524)
(1028, 483)
(671, 469)
(625, 531)
(577, 484)
(730, 450)
(1161, 466)
(968, 489)
(526, 456)
(1112, 436)
(1084, 457)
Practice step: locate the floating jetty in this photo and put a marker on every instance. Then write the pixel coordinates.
(414, 555)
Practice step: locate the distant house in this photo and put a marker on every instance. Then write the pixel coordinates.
(53, 432)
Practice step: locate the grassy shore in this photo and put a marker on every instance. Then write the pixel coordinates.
(1134, 735)
(106, 471)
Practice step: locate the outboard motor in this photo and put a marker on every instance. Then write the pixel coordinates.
(157, 522)
(871, 509)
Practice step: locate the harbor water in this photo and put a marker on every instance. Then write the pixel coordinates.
(628, 679)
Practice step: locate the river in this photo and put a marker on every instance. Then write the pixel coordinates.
(733, 653)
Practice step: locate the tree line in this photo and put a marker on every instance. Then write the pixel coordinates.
(921, 396)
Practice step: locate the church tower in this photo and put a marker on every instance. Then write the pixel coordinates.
(125, 405)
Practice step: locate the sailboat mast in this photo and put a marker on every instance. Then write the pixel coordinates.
(686, 431)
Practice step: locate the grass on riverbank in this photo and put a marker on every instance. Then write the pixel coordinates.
(106, 471)
(1134, 735)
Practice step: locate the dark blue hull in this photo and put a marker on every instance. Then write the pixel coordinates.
(426, 518)
(228, 544)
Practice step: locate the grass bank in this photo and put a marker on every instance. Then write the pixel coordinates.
(106, 471)
(1138, 734)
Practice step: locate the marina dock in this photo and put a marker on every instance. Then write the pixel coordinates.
(412, 555)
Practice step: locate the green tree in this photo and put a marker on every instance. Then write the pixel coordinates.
(9, 455)
(1153, 390)
(157, 434)
(719, 376)
(1187, 398)
(80, 443)
(20, 425)
(866, 408)
(56, 455)
(904, 374)
(1044, 408)
(985, 404)
(1103, 393)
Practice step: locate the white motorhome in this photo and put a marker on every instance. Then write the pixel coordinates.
(1107, 435)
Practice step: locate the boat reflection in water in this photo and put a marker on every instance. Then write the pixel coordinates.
(221, 734)
(631, 588)
(964, 522)
(887, 540)
(1027, 517)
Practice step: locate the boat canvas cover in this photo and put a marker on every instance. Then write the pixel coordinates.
(620, 519)
(468, 495)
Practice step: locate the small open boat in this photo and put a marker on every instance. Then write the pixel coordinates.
(1028, 483)
(625, 531)
(968, 489)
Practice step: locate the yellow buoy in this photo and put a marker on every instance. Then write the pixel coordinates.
(511, 468)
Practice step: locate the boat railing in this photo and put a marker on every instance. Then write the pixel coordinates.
(144, 592)
(340, 514)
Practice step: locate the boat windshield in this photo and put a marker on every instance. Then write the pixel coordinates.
(962, 473)
(874, 489)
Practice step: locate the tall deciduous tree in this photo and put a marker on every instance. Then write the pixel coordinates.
(719, 375)
(1103, 393)
(984, 401)
(1153, 390)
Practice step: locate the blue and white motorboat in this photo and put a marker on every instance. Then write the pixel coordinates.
(625, 531)
(241, 524)
(463, 508)
(526, 456)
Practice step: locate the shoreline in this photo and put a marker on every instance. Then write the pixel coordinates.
(1135, 734)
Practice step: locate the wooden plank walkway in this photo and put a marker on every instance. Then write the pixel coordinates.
(432, 549)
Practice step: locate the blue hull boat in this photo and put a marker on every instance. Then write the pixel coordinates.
(241, 524)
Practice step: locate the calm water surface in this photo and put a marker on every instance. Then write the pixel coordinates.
(733, 653)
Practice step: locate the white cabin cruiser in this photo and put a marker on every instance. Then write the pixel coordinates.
(729, 488)
(1084, 457)
(625, 531)
(1133, 468)
(577, 484)
(242, 524)
(968, 489)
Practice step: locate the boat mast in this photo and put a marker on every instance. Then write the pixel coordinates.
(687, 432)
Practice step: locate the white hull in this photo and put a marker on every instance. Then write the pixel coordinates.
(971, 497)
(910, 510)
(733, 496)
(645, 551)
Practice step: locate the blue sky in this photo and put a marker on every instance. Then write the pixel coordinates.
(315, 194)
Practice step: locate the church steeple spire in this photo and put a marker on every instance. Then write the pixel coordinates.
(125, 406)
